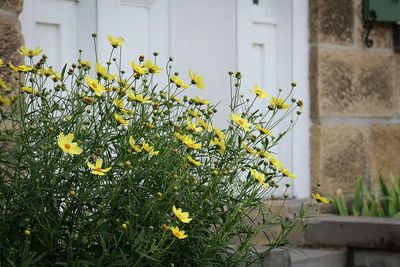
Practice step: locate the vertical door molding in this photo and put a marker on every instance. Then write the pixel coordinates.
(300, 70)
(266, 55)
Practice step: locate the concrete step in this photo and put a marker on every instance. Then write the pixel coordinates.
(318, 258)
(304, 257)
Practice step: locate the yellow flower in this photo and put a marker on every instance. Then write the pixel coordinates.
(4, 101)
(178, 233)
(277, 163)
(88, 100)
(300, 104)
(191, 126)
(120, 104)
(182, 216)
(50, 73)
(138, 69)
(150, 125)
(152, 67)
(28, 90)
(66, 144)
(85, 63)
(278, 103)
(321, 199)
(220, 143)
(193, 113)
(124, 227)
(102, 72)
(219, 133)
(193, 161)
(249, 150)
(165, 227)
(27, 232)
(120, 119)
(114, 41)
(133, 145)
(23, 50)
(260, 92)
(287, 173)
(138, 98)
(149, 149)
(260, 177)
(178, 82)
(199, 101)
(97, 169)
(95, 86)
(21, 68)
(188, 141)
(263, 130)
(240, 121)
(4, 85)
(196, 80)
(204, 125)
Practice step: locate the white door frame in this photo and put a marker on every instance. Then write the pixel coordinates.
(292, 36)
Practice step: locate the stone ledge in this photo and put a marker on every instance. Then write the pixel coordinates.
(354, 232)
(374, 258)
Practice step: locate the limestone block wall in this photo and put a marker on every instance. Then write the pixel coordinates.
(10, 32)
(355, 98)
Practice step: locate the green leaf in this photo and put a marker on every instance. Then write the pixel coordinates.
(365, 211)
(385, 192)
(63, 71)
(357, 201)
(340, 205)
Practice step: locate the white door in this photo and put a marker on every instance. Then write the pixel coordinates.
(266, 55)
(53, 25)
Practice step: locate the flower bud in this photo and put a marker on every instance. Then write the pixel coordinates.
(27, 232)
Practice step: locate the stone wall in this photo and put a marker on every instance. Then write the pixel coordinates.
(10, 32)
(355, 98)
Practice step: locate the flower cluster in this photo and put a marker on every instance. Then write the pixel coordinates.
(99, 155)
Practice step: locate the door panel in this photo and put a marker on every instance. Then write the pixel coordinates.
(55, 32)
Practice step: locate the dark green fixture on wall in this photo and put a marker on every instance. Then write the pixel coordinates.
(386, 11)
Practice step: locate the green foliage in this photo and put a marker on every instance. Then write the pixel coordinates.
(59, 205)
(385, 204)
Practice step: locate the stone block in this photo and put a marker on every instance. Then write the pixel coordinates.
(11, 5)
(339, 154)
(276, 258)
(357, 83)
(10, 41)
(332, 21)
(397, 86)
(306, 257)
(381, 34)
(375, 258)
(385, 147)
(354, 232)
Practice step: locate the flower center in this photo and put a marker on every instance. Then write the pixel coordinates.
(94, 85)
(67, 146)
(99, 170)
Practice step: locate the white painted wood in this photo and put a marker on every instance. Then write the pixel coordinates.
(144, 24)
(300, 69)
(57, 32)
(204, 40)
(273, 63)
